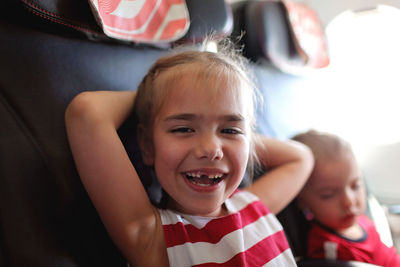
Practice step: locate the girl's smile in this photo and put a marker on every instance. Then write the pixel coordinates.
(205, 180)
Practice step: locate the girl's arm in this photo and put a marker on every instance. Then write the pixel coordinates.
(289, 165)
(92, 120)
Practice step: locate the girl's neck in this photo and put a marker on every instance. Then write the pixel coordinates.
(220, 212)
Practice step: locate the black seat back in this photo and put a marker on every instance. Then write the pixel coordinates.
(50, 51)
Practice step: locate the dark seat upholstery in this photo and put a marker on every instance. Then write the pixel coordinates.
(47, 56)
(46, 217)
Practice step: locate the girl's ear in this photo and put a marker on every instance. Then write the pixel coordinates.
(146, 145)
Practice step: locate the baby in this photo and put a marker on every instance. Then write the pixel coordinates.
(334, 199)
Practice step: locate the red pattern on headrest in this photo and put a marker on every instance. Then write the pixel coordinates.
(145, 21)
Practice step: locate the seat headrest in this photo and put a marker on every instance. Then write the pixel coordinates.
(206, 16)
(274, 31)
(268, 33)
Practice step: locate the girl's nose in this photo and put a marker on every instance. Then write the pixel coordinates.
(209, 147)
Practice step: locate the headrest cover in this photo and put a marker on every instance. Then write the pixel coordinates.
(206, 16)
(309, 36)
(142, 21)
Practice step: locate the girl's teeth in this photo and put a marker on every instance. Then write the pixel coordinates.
(212, 176)
(200, 184)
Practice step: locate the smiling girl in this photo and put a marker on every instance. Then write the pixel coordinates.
(195, 128)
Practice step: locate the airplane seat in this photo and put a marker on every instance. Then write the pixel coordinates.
(50, 51)
(265, 31)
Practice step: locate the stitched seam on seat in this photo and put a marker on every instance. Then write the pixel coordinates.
(36, 10)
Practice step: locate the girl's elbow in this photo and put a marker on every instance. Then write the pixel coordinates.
(80, 107)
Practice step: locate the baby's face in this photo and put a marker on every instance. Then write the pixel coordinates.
(335, 194)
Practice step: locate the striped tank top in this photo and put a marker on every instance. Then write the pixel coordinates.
(250, 235)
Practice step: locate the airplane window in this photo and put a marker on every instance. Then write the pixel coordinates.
(358, 95)
(365, 54)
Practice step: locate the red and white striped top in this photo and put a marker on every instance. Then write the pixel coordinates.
(249, 236)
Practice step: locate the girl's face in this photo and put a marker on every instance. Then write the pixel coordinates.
(200, 145)
(335, 194)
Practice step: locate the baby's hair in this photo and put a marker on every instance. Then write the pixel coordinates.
(324, 146)
(226, 65)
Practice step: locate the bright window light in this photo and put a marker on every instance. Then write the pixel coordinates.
(358, 95)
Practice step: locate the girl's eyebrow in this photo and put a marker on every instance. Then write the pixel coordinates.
(189, 116)
(234, 117)
(183, 116)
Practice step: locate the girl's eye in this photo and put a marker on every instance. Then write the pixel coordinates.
(231, 131)
(182, 130)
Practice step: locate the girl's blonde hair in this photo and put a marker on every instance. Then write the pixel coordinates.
(226, 65)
